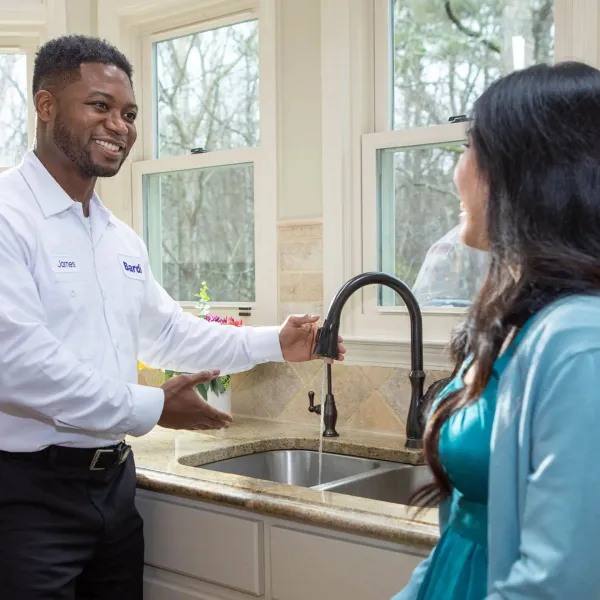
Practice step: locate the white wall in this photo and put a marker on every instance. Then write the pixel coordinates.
(299, 106)
(20, 14)
(81, 16)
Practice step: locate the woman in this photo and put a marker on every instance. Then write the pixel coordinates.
(514, 439)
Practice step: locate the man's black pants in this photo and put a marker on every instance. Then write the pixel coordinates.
(69, 533)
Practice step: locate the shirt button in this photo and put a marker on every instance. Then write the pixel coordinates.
(73, 293)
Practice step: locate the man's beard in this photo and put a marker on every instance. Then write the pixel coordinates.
(80, 156)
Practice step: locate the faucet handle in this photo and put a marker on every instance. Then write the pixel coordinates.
(311, 404)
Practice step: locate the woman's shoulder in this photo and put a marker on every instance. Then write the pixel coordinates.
(562, 311)
(558, 357)
(566, 328)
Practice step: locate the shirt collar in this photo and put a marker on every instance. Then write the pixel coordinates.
(51, 198)
(103, 212)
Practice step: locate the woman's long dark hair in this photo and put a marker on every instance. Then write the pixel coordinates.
(536, 140)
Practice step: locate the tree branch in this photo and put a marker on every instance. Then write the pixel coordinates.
(493, 46)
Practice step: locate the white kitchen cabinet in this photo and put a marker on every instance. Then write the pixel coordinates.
(201, 551)
(203, 543)
(305, 565)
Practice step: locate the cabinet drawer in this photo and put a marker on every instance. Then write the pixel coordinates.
(305, 566)
(204, 544)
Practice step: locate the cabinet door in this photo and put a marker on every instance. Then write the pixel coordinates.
(205, 544)
(305, 565)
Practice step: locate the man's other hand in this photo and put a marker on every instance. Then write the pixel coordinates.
(184, 408)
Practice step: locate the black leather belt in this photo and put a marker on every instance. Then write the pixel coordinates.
(94, 459)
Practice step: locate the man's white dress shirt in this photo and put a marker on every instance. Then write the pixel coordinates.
(78, 307)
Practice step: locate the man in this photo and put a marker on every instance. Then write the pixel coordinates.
(78, 306)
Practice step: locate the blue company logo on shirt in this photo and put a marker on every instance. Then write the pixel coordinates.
(132, 268)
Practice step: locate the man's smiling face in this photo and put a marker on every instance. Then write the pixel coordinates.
(94, 121)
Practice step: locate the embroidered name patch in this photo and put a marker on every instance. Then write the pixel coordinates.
(64, 264)
(132, 267)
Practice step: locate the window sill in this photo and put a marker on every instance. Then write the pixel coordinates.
(394, 353)
(258, 317)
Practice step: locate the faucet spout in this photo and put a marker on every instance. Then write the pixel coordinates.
(327, 342)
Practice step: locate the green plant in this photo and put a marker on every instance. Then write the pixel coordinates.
(218, 385)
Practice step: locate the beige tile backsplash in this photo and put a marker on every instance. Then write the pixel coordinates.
(367, 398)
(300, 269)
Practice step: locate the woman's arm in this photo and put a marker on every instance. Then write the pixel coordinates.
(560, 531)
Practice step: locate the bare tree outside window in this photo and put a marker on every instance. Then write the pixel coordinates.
(445, 53)
(205, 220)
(13, 109)
(206, 87)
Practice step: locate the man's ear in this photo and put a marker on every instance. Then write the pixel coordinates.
(45, 105)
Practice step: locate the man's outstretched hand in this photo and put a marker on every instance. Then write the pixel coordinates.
(184, 408)
(298, 336)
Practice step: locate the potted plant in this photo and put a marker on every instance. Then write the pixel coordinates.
(218, 391)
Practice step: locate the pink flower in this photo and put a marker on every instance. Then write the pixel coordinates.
(224, 320)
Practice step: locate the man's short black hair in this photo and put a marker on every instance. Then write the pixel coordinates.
(58, 62)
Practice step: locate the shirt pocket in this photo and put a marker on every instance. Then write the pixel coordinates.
(67, 293)
(67, 303)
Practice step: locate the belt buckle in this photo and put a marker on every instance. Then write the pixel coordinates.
(96, 458)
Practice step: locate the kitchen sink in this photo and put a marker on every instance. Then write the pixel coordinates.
(395, 485)
(297, 467)
(372, 479)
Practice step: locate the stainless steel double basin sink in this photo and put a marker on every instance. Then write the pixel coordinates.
(350, 475)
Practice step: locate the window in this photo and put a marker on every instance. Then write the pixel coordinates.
(394, 72)
(446, 52)
(419, 227)
(206, 90)
(14, 108)
(200, 227)
(205, 191)
(444, 55)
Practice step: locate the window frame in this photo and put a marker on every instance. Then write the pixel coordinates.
(357, 94)
(23, 30)
(27, 45)
(263, 157)
(438, 322)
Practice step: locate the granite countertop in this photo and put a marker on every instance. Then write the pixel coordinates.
(166, 462)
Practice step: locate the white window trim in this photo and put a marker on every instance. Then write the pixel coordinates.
(147, 67)
(356, 109)
(154, 24)
(438, 323)
(27, 45)
(23, 30)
